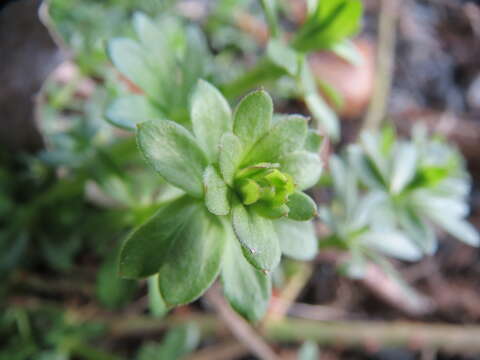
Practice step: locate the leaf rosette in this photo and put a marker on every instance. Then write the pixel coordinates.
(243, 176)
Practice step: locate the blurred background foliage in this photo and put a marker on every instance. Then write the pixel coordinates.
(65, 211)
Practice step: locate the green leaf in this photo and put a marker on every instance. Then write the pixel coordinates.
(270, 10)
(231, 154)
(128, 111)
(418, 231)
(145, 249)
(286, 136)
(246, 288)
(257, 237)
(156, 304)
(211, 117)
(314, 141)
(302, 207)
(129, 58)
(305, 168)
(297, 238)
(252, 117)
(173, 152)
(194, 260)
(404, 167)
(283, 56)
(392, 243)
(216, 192)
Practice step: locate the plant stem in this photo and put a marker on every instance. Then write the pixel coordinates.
(385, 62)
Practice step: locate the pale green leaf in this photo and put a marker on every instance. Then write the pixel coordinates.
(216, 192)
(305, 168)
(231, 154)
(309, 351)
(252, 117)
(297, 238)
(404, 167)
(392, 243)
(286, 136)
(246, 288)
(173, 152)
(211, 117)
(283, 56)
(129, 58)
(257, 237)
(128, 111)
(156, 303)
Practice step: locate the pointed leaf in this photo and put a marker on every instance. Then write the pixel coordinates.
(129, 58)
(305, 168)
(392, 243)
(404, 167)
(246, 288)
(231, 154)
(211, 117)
(128, 111)
(286, 136)
(194, 261)
(216, 192)
(145, 249)
(301, 206)
(297, 238)
(252, 117)
(257, 237)
(173, 152)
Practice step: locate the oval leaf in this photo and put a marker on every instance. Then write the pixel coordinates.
(305, 168)
(194, 261)
(301, 206)
(145, 249)
(211, 117)
(128, 111)
(246, 288)
(173, 152)
(257, 237)
(297, 238)
(286, 136)
(216, 192)
(252, 117)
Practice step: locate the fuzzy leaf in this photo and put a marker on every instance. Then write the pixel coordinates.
(286, 136)
(246, 288)
(314, 141)
(145, 249)
(302, 207)
(392, 243)
(128, 111)
(216, 192)
(173, 152)
(194, 260)
(231, 153)
(283, 56)
(257, 237)
(252, 117)
(297, 238)
(128, 57)
(404, 167)
(211, 117)
(305, 168)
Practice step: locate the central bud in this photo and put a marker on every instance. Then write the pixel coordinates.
(266, 187)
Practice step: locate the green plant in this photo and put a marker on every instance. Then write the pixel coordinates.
(388, 194)
(243, 177)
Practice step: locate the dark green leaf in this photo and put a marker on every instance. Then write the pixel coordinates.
(302, 207)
